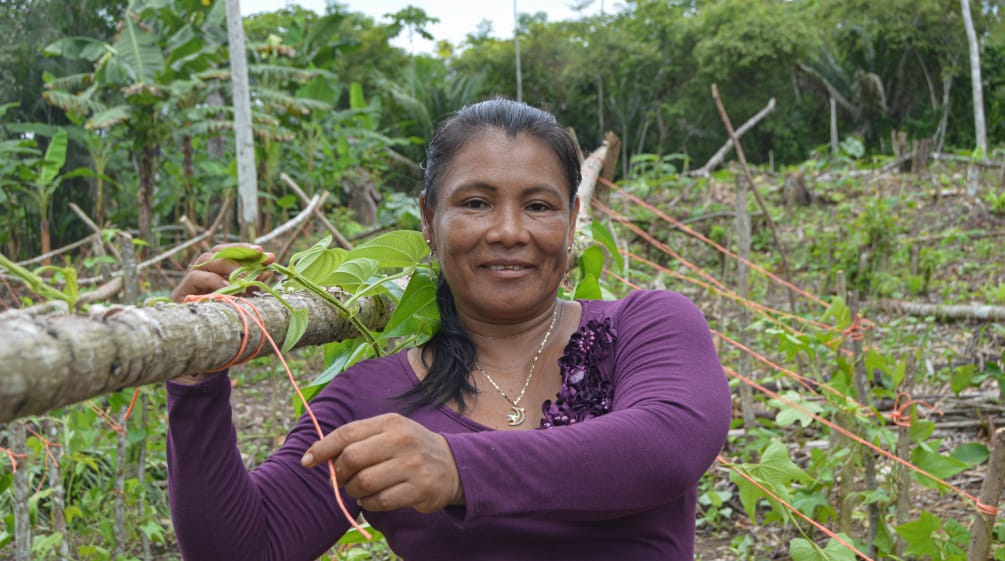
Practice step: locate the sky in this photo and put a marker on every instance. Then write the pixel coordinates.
(457, 17)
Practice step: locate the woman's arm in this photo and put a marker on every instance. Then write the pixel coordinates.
(280, 511)
(669, 419)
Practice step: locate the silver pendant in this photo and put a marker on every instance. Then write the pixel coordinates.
(517, 417)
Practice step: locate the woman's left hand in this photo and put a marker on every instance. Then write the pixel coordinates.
(389, 462)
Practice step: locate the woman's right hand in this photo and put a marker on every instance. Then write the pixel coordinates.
(207, 275)
(204, 276)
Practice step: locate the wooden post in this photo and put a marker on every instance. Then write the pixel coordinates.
(864, 394)
(991, 490)
(743, 289)
(247, 175)
(22, 491)
(130, 278)
(903, 509)
(835, 143)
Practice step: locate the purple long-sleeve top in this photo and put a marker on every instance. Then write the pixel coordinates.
(643, 411)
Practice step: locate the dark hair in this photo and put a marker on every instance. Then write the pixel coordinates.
(452, 349)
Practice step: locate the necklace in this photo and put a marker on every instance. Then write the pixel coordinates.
(519, 414)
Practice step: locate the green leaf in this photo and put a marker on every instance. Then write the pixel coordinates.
(244, 256)
(352, 274)
(109, 117)
(972, 454)
(416, 307)
(918, 534)
(588, 288)
(939, 465)
(55, 157)
(591, 262)
(397, 249)
(296, 328)
(778, 469)
(788, 414)
(602, 233)
(77, 47)
(962, 377)
(138, 52)
(804, 550)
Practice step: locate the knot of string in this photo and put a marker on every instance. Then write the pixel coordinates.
(901, 414)
(250, 314)
(856, 330)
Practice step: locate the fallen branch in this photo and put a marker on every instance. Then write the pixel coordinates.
(717, 158)
(942, 156)
(49, 362)
(59, 251)
(336, 235)
(293, 222)
(94, 228)
(945, 312)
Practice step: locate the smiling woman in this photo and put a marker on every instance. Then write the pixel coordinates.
(528, 428)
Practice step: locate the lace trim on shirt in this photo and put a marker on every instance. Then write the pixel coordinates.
(585, 393)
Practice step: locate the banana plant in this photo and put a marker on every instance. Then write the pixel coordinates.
(40, 180)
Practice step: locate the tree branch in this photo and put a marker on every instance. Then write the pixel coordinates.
(49, 362)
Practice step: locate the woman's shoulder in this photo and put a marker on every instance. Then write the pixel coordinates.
(640, 305)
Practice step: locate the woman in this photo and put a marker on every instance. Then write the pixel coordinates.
(527, 428)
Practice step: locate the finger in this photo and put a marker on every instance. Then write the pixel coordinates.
(374, 479)
(400, 495)
(336, 441)
(198, 282)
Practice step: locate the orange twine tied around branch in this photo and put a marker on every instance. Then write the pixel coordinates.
(250, 314)
(901, 414)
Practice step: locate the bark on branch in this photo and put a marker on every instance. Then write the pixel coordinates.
(945, 312)
(49, 362)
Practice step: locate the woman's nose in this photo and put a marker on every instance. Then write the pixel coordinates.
(507, 227)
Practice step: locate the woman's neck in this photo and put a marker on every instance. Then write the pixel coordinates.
(506, 343)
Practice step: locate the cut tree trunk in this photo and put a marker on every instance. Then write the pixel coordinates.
(945, 312)
(49, 362)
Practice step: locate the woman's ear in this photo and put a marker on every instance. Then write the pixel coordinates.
(427, 219)
(573, 219)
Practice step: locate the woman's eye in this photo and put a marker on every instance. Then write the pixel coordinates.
(538, 207)
(475, 204)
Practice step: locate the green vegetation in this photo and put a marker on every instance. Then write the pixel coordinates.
(122, 108)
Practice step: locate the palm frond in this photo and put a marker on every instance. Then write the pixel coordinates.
(72, 82)
(277, 73)
(72, 103)
(291, 103)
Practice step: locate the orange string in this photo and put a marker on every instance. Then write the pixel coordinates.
(718, 285)
(901, 414)
(245, 313)
(762, 310)
(13, 457)
(791, 508)
(986, 509)
(112, 423)
(693, 233)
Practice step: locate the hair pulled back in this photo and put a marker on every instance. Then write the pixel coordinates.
(453, 352)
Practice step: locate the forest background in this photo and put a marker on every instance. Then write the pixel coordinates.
(124, 109)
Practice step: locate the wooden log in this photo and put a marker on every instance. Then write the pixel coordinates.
(946, 312)
(52, 361)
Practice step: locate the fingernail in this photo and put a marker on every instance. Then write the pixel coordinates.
(307, 460)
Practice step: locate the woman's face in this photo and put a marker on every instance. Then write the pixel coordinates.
(502, 225)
